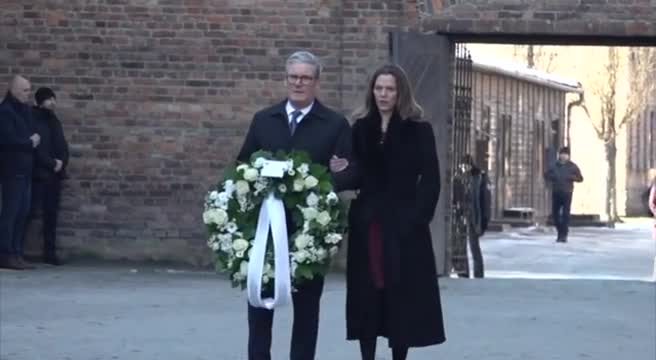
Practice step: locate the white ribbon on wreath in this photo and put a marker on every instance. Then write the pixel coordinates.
(272, 217)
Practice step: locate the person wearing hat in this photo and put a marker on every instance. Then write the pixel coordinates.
(51, 159)
(562, 175)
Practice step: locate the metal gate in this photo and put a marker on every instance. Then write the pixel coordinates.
(463, 80)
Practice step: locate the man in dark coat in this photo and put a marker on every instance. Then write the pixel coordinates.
(473, 206)
(562, 175)
(17, 142)
(49, 168)
(300, 122)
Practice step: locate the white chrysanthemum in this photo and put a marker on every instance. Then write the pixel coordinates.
(302, 241)
(333, 238)
(282, 188)
(242, 187)
(301, 256)
(229, 187)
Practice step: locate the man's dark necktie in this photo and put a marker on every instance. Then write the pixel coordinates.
(293, 123)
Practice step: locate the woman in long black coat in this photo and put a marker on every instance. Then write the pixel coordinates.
(392, 286)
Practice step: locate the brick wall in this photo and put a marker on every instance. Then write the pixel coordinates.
(156, 96)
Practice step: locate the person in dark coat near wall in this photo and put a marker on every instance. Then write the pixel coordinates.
(51, 160)
(392, 283)
(17, 143)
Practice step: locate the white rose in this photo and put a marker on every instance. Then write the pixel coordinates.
(291, 172)
(311, 182)
(309, 213)
(251, 174)
(282, 188)
(242, 187)
(324, 218)
(207, 217)
(242, 167)
(312, 200)
(214, 195)
(299, 184)
(302, 241)
(219, 217)
(239, 254)
(243, 269)
(332, 198)
(240, 245)
(303, 169)
(265, 279)
(259, 162)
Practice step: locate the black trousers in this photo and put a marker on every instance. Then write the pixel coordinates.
(16, 193)
(46, 197)
(477, 254)
(561, 203)
(304, 331)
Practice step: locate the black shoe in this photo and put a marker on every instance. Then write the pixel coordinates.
(11, 262)
(26, 265)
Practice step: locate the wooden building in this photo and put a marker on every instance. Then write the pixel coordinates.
(518, 123)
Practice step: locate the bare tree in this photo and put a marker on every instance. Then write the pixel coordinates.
(535, 56)
(641, 62)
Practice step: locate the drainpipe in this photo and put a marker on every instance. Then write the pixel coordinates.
(580, 102)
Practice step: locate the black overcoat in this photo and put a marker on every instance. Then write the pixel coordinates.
(398, 183)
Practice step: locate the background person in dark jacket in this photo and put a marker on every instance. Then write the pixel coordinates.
(17, 143)
(51, 158)
(475, 208)
(562, 175)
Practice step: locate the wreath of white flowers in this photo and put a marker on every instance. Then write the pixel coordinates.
(306, 189)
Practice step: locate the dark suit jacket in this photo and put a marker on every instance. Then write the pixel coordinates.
(322, 133)
(53, 144)
(16, 151)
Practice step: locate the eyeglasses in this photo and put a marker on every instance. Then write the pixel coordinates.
(305, 80)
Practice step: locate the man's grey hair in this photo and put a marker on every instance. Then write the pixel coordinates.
(305, 57)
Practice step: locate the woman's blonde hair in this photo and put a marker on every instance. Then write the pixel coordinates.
(406, 105)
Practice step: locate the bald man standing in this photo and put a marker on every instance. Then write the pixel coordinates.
(17, 143)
